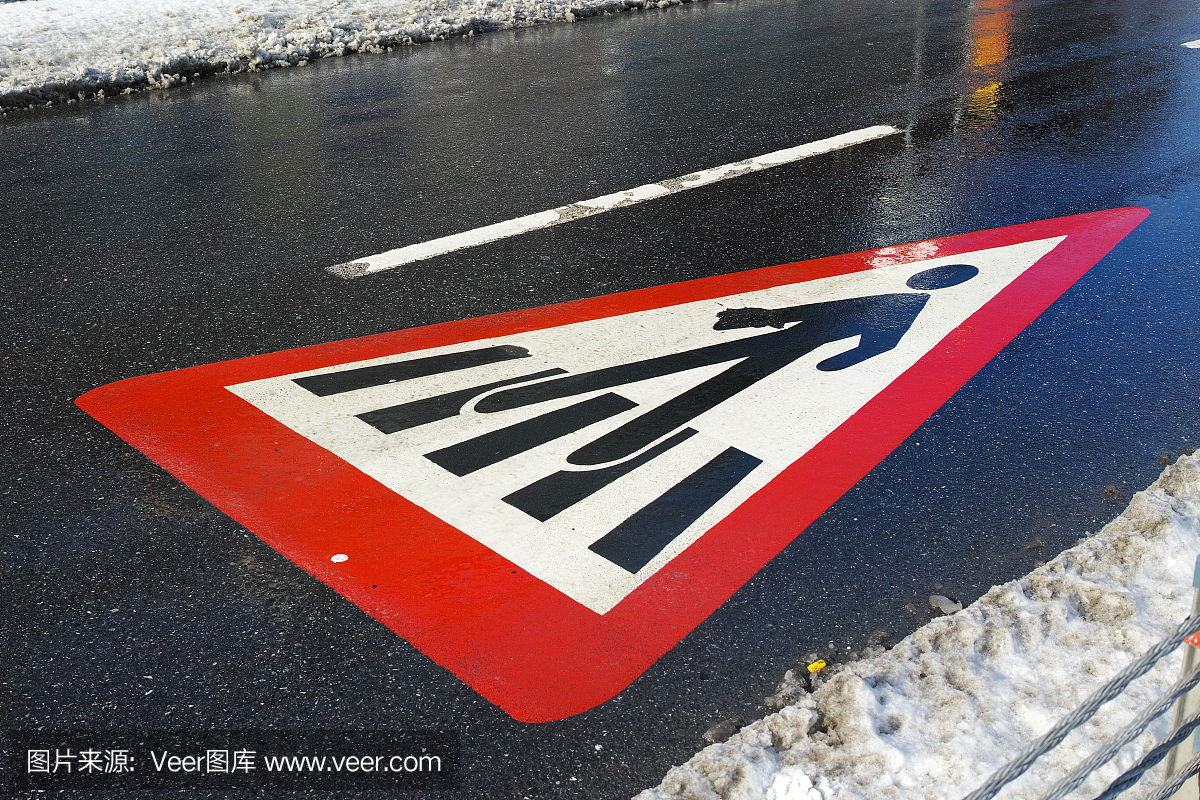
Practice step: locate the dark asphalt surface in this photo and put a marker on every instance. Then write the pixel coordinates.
(170, 229)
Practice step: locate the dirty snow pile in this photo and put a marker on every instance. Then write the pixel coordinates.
(935, 716)
(55, 50)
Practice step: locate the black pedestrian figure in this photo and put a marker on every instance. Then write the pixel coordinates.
(879, 320)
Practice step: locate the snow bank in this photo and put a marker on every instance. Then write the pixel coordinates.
(939, 713)
(56, 50)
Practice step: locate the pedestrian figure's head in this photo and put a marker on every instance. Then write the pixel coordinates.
(942, 277)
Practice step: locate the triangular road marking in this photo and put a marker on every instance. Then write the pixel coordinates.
(546, 501)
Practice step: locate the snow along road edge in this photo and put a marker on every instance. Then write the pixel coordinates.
(75, 49)
(935, 716)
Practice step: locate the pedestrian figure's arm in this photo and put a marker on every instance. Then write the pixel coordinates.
(754, 318)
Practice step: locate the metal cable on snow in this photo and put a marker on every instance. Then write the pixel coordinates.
(1123, 737)
(1110, 690)
(1171, 786)
(1148, 761)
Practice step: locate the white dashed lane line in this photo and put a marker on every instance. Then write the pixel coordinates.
(598, 205)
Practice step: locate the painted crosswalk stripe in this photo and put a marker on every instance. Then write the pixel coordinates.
(598, 205)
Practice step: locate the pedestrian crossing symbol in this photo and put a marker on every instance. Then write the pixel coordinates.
(545, 501)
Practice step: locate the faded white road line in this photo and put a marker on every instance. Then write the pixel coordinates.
(598, 205)
(1195, 44)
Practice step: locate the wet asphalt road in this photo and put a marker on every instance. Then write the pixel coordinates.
(171, 229)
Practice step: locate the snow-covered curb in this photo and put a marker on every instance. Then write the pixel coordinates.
(936, 715)
(59, 50)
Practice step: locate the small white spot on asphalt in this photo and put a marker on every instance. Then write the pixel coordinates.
(1194, 45)
(339, 558)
